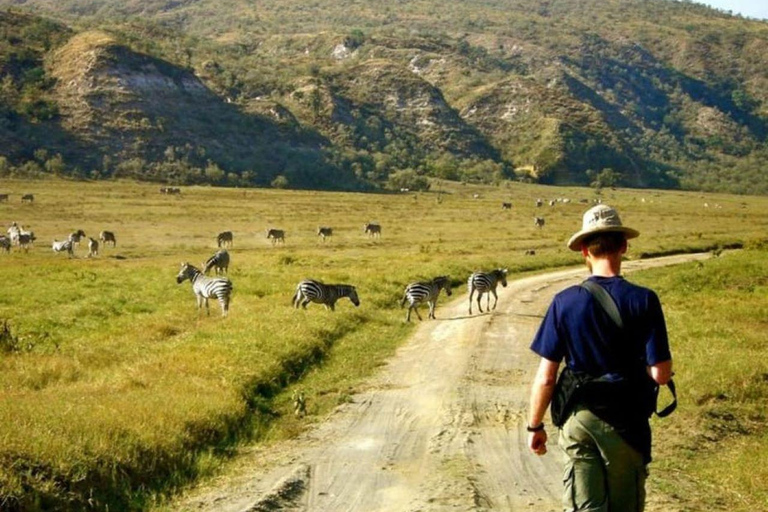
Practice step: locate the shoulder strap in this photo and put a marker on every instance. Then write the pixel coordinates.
(605, 300)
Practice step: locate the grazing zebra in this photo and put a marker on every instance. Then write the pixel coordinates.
(170, 191)
(28, 198)
(277, 235)
(418, 293)
(207, 287)
(372, 229)
(538, 222)
(25, 239)
(108, 237)
(224, 239)
(93, 247)
(310, 290)
(324, 232)
(486, 282)
(506, 206)
(63, 246)
(4, 198)
(219, 261)
(539, 202)
(5, 243)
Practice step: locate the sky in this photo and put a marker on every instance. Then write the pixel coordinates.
(752, 8)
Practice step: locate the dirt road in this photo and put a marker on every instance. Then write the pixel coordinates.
(441, 428)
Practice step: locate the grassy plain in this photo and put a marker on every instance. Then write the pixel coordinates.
(120, 390)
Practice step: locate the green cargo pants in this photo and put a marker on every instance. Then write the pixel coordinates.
(602, 473)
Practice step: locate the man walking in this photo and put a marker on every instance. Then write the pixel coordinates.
(616, 350)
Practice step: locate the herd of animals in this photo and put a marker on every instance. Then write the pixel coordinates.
(220, 287)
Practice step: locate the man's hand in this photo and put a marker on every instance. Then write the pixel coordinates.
(537, 442)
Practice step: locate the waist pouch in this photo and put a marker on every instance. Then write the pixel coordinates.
(611, 395)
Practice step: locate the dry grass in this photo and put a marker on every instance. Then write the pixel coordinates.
(127, 392)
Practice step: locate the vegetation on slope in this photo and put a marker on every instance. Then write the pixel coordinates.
(655, 93)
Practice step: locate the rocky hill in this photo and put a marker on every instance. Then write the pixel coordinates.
(341, 94)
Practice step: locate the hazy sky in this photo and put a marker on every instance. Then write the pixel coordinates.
(751, 8)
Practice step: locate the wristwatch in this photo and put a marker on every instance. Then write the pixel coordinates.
(537, 428)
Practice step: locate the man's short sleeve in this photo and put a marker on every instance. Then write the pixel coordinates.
(657, 343)
(548, 342)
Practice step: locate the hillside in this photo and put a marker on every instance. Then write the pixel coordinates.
(627, 92)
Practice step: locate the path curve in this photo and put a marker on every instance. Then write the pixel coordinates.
(441, 427)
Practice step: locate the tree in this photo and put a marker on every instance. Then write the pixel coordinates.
(280, 181)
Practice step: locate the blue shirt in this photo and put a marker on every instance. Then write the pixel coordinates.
(577, 329)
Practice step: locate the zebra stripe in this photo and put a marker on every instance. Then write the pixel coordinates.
(310, 290)
(418, 293)
(220, 261)
(207, 287)
(486, 282)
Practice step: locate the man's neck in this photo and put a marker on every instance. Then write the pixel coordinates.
(605, 267)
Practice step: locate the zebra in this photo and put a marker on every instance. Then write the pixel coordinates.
(63, 246)
(506, 206)
(28, 198)
(311, 290)
(93, 247)
(277, 235)
(324, 232)
(206, 287)
(108, 237)
(25, 239)
(219, 261)
(372, 229)
(5, 243)
(417, 293)
(170, 190)
(539, 202)
(538, 222)
(75, 236)
(486, 282)
(224, 239)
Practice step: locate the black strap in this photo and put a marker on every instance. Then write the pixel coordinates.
(609, 306)
(605, 300)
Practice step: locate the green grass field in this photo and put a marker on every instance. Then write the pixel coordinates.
(115, 390)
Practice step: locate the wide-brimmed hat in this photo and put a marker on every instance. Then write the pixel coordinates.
(600, 219)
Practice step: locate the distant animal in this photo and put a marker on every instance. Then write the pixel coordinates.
(475, 196)
(63, 246)
(108, 237)
(552, 202)
(224, 239)
(420, 292)
(276, 235)
(207, 287)
(76, 236)
(311, 290)
(486, 282)
(372, 229)
(299, 404)
(171, 191)
(93, 247)
(28, 198)
(4, 198)
(538, 222)
(539, 202)
(5, 243)
(25, 240)
(324, 232)
(506, 206)
(219, 261)
(530, 252)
